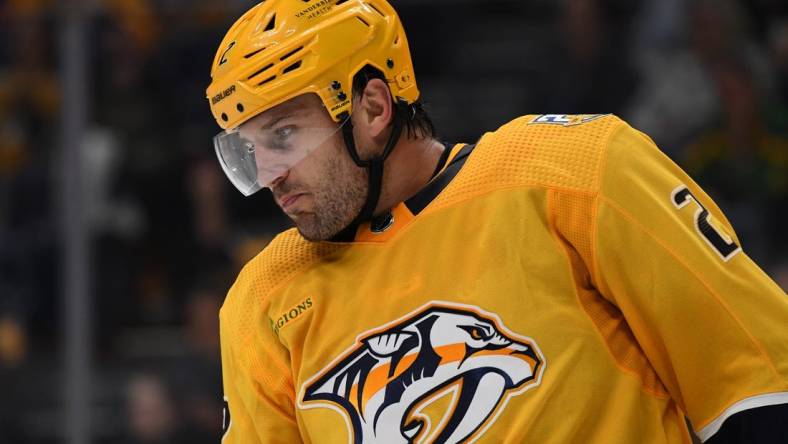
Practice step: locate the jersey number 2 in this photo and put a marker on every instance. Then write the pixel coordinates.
(718, 241)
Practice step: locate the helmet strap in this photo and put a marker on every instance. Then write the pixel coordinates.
(374, 166)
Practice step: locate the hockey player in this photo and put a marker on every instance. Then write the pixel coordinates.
(558, 280)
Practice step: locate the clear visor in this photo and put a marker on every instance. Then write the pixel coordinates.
(253, 158)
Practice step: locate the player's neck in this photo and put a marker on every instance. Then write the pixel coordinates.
(408, 170)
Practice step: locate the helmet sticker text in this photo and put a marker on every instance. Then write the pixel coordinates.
(223, 95)
(316, 10)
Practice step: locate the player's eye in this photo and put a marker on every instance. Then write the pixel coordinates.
(284, 133)
(281, 139)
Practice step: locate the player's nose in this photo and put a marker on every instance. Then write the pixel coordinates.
(279, 180)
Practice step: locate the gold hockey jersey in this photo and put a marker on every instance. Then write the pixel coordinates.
(562, 281)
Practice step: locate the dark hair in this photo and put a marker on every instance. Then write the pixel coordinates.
(417, 123)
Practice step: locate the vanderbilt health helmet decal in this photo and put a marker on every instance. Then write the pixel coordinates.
(443, 354)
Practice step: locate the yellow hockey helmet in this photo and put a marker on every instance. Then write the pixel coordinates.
(281, 49)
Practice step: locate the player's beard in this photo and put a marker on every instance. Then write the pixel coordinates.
(338, 195)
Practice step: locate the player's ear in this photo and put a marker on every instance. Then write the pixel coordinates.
(374, 110)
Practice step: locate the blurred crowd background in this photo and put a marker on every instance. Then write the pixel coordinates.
(707, 79)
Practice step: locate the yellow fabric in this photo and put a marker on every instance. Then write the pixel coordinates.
(611, 316)
(281, 49)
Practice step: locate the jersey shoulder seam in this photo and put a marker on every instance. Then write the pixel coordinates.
(597, 194)
(700, 279)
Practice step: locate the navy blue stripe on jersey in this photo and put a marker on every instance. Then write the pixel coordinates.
(423, 198)
(447, 147)
(762, 425)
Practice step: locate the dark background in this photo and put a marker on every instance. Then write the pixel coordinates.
(707, 79)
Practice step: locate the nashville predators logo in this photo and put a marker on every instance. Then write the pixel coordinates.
(456, 357)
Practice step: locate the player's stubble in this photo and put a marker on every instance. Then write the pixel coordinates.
(338, 188)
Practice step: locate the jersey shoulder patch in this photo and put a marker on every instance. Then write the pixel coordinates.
(550, 150)
(565, 119)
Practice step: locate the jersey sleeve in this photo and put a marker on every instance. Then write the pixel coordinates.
(258, 387)
(711, 322)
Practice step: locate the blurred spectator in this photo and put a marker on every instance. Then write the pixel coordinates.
(152, 418)
(661, 26)
(29, 106)
(155, 416)
(13, 342)
(209, 250)
(743, 163)
(202, 322)
(779, 48)
(200, 381)
(677, 97)
(593, 74)
(179, 376)
(13, 354)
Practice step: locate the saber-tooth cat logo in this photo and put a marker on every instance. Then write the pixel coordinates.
(457, 357)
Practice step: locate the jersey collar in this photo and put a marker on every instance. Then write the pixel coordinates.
(384, 227)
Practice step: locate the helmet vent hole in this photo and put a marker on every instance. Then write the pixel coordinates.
(396, 40)
(363, 21)
(260, 71)
(376, 9)
(224, 117)
(292, 67)
(291, 53)
(271, 24)
(339, 2)
(268, 80)
(240, 107)
(254, 53)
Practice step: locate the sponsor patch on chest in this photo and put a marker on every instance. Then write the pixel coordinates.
(291, 315)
